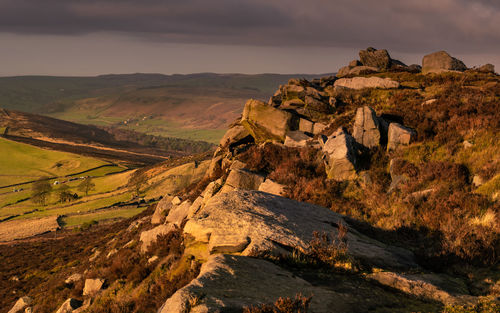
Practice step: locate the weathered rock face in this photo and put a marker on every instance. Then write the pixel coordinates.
(399, 135)
(228, 283)
(340, 156)
(244, 179)
(21, 304)
(69, 306)
(441, 61)
(265, 122)
(366, 82)
(379, 59)
(149, 236)
(92, 286)
(252, 222)
(366, 129)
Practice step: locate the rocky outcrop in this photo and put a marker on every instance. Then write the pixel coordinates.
(252, 222)
(21, 304)
(149, 236)
(356, 70)
(93, 286)
(69, 306)
(340, 156)
(228, 283)
(366, 82)
(399, 135)
(265, 122)
(379, 59)
(441, 61)
(487, 68)
(366, 130)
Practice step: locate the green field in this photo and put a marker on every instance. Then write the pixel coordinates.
(23, 163)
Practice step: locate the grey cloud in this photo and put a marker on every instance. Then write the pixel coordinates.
(407, 26)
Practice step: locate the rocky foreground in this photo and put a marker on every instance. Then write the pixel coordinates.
(246, 244)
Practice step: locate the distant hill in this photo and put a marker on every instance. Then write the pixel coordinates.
(194, 106)
(108, 143)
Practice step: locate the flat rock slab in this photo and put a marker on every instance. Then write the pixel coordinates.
(366, 82)
(270, 223)
(20, 229)
(228, 283)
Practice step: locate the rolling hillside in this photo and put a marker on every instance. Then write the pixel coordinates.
(195, 106)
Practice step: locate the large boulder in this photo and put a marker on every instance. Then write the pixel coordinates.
(250, 222)
(244, 179)
(487, 68)
(235, 135)
(178, 213)
(441, 61)
(379, 59)
(149, 236)
(229, 283)
(69, 306)
(340, 156)
(399, 135)
(93, 286)
(265, 122)
(21, 304)
(366, 129)
(366, 82)
(161, 210)
(272, 187)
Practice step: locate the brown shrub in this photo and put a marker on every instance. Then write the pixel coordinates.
(299, 304)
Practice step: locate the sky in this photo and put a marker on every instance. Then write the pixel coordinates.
(90, 37)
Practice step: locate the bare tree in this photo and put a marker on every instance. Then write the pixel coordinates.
(40, 191)
(86, 185)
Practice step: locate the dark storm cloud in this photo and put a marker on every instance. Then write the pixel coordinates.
(405, 25)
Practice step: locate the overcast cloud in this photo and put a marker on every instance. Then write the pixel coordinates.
(406, 26)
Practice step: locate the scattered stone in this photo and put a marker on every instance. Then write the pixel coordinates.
(318, 128)
(73, 278)
(265, 122)
(178, 213)
(272, 187)
(111, 253)
(94, 256)
(234, 136)
(176, 200)
(419, 195)
(429, 102)
(69, 306)
(278, 225)
(366, 82)
(477, 180)
(21, 304)
(244, 179)
(93, 286)
(441, 61)
(467, 144)
(340, 156)
(149, 236)
(399, 135)
(136, 224)
(296, 139)
(366, 129)
(379, 59)
(153, 259)
(237, 165)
